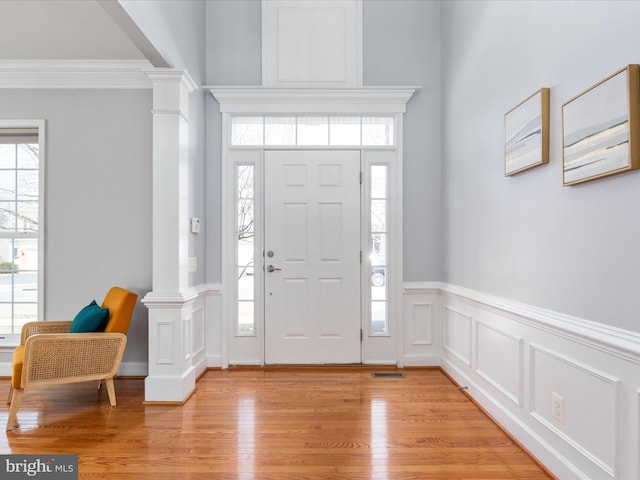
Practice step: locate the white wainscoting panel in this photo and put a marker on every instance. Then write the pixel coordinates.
(198, 327)
(421, 321)
(213, 325)
(164, 341)
(198, 333)
(187, 335)
(500, 360)
(590, 405)
(457, 333)
(513, 357)
(421, 324)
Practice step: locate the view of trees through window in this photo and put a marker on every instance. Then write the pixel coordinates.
(19, 225)
(245, 249)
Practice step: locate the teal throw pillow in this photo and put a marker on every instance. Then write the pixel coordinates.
(92, 318)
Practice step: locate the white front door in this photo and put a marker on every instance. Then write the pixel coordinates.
(312, 257)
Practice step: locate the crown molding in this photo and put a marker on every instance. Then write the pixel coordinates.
(75, 74)
(374, 100)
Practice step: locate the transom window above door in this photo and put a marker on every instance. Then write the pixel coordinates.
(312, 131)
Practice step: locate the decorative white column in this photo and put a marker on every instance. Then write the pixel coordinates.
(171, 372)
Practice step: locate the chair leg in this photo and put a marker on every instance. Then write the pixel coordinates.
(13, 409)
(10, 395)
(111, 390)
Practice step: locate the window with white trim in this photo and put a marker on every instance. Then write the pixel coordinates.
(20, 220)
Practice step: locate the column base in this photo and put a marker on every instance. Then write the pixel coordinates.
(170, 389)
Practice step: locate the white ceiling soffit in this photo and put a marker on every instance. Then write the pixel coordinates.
(61, 29)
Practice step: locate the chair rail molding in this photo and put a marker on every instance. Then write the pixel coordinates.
(422, 339)
(615, 341)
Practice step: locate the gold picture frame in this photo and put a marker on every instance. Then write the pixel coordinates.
(600, 135)
(526, 133)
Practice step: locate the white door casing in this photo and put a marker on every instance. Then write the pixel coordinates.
(312, 256)
(237, 349)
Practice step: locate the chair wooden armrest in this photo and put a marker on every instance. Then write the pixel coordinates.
(49, 326)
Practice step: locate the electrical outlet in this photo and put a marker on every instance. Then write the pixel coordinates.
(557, 407)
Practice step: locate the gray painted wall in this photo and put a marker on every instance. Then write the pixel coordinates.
(234, 42)
(528, 238)
(98, 197)
(402, 47)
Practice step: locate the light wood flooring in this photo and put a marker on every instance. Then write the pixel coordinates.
(329, 423)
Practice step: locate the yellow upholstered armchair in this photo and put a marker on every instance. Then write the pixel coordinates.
(50, 354)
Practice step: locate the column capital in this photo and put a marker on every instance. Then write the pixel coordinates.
(171, 89)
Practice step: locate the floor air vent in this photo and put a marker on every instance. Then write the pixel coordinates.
(387, 375)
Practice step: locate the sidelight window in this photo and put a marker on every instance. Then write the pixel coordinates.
(379, 234)
(245, 229)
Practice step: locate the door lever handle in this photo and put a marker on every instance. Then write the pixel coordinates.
(271, 268)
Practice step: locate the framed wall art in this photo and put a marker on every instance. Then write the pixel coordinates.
(526, 133)
(600, 128)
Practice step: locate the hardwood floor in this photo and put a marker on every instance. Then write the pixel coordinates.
(273, 424)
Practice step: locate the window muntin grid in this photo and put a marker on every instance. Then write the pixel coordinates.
(19, 229)
(312, 130)
(378, 259)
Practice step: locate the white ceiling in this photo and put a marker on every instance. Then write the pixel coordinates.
(61, 29)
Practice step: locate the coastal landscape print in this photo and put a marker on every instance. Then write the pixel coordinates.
(597, 139)
(527, 133)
